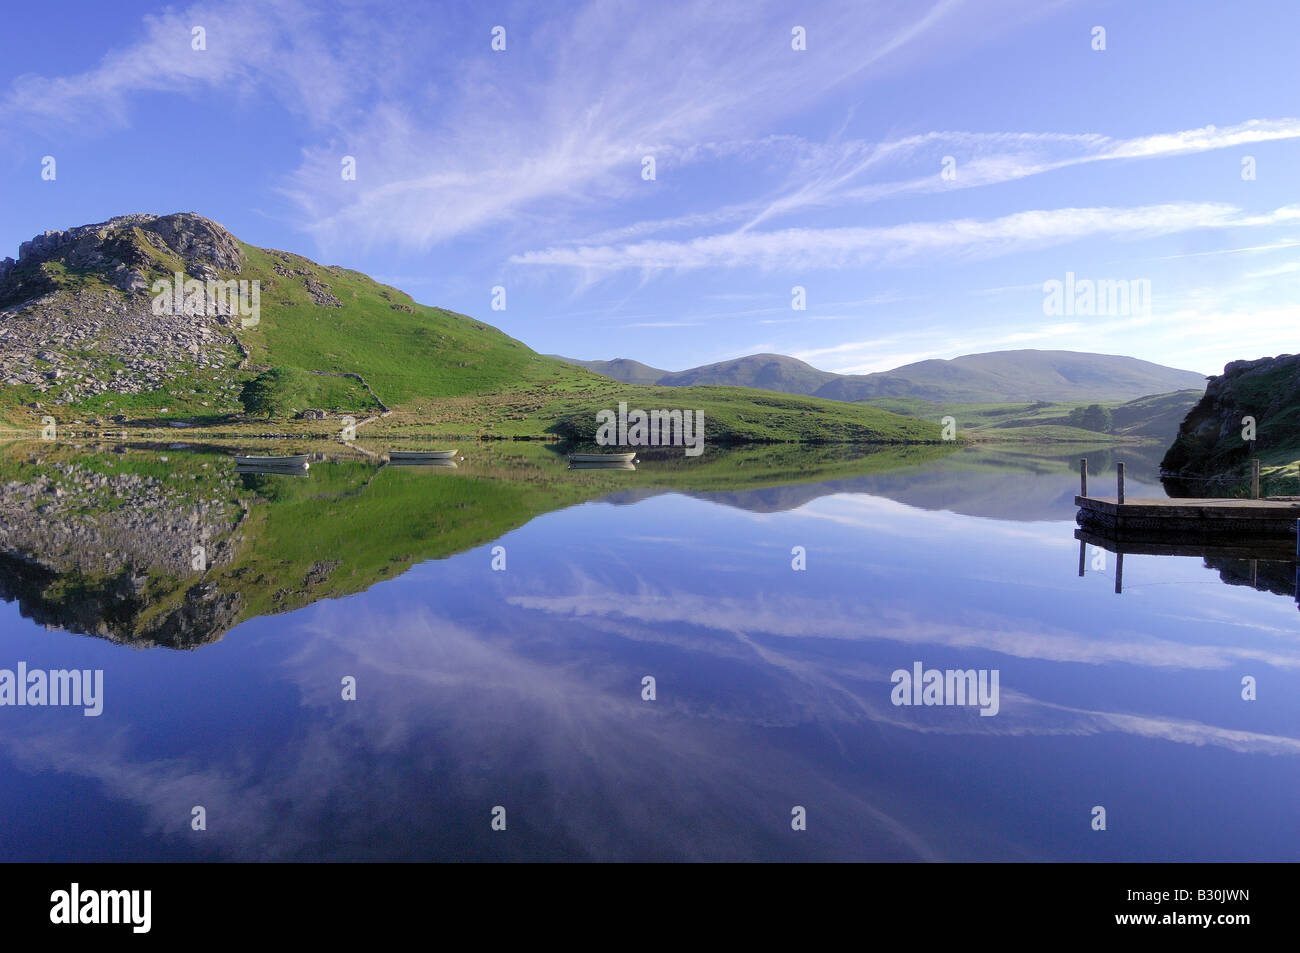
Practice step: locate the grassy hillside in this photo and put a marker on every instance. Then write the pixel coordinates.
(352, 346)
(404, 350)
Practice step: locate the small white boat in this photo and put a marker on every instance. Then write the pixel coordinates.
(295, 462)
(602, 457)
(616, 465)
(407, 455)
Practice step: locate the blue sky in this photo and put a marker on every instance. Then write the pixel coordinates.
(774, 168)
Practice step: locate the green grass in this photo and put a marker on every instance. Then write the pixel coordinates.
(440, 372)
(404, 355)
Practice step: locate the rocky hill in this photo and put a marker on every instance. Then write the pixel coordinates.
(1210, 446)
(82, 326)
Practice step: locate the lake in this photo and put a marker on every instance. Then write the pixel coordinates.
(500, 621)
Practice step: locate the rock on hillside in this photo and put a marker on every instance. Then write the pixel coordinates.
(1209, 445)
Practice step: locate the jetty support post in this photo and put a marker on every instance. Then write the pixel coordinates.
(1082, 544)
(1254, 479)
(1119, 571)
(1297, 559)
(1083, 476)
(1119, 477)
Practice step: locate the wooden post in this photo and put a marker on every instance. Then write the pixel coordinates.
(1254, 479)
(1081, 548)
(1083, 476)
(1119, 476)
(1119, 571)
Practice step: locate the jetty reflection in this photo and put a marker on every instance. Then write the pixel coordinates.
(1266, 564)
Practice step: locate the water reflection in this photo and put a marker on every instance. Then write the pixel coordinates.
(523, 687)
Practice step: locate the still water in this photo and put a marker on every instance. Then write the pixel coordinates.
(522, 687)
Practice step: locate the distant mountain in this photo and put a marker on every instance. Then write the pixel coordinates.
(621, 369)
(993, 377)
(999, 376)
(776, 372)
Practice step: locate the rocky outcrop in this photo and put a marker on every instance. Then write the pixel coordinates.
(77, 316)
(205, 247)
(1210, 447)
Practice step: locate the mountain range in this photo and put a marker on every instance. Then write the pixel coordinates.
(992, 377)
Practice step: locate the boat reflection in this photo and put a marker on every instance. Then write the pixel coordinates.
(249, 468)
(601, 465)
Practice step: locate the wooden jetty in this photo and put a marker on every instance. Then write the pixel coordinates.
(1246, 518)
(1218, 530)
(1151, 519)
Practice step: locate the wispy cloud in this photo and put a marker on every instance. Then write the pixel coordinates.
(276, 50)
(825, 175)
(812, 248)
(566, 133)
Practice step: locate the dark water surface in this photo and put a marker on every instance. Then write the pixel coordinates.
(522, 688)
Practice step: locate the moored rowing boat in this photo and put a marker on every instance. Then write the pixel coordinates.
(602, 457)
(396, 455)
(296, 461)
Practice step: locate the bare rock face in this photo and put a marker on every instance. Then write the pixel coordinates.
(200, 242)
(69, 336)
